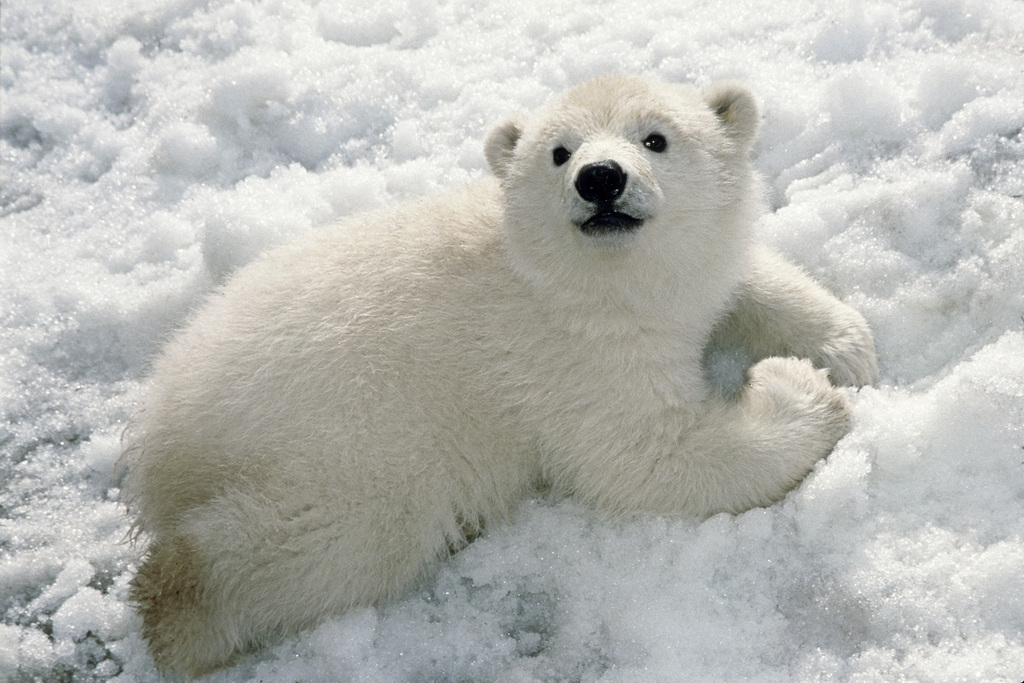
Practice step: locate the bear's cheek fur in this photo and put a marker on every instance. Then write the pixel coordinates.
(695, 184)
(543, 204)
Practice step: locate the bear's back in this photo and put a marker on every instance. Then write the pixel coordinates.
(335, 358)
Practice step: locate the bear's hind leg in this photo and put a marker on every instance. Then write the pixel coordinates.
(176, 621)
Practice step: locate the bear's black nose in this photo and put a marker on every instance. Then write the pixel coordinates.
(601, 182)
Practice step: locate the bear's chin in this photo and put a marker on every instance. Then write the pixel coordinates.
(610, 223)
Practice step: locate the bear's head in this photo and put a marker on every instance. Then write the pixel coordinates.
(642, 177)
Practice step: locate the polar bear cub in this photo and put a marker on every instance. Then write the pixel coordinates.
(350, 407)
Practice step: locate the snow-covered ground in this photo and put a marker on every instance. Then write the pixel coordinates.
(149, 147)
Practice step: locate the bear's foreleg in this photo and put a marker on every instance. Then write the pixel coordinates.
(747, 454)
(734, 455)
(780, 311)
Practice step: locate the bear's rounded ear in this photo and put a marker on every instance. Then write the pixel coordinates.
(734, 105)
(501, 143)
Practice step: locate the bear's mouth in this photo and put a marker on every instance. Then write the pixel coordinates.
(604, 222)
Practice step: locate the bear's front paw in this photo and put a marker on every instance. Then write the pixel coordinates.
(850, 358)
(788, 397)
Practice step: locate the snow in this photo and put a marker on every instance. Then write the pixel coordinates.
(151, 147)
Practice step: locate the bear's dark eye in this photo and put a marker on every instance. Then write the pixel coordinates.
(656, 142)
(560, 156)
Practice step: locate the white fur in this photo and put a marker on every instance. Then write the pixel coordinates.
(352, 406)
